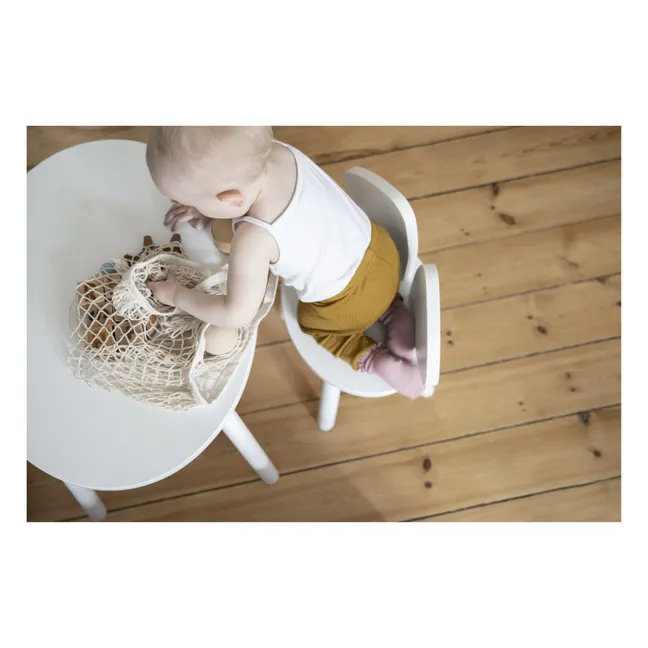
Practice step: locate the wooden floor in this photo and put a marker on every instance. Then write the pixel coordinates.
(524, 227)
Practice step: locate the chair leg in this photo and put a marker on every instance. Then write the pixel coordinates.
(328, 409)
(249, 447)
(89, 501)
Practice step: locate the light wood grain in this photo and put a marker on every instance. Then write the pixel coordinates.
(279, 377)
(532, 323)
(519, 206)
(599, 502)
(524, 263)
(326, 144)
(528, 262)
(464, 472)
(513, 326)
(509, 266)
(494, 157)
(476, 400)
(272, 329)
(473, 335)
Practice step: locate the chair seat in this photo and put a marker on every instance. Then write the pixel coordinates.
(328, 368)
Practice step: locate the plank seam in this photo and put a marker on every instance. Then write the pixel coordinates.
(537, 174)
(534, 354)
(514, 234)
(529, 292)
(398, 149)
(457, 370)
(513, 499)
(363, 457)
(603, 277)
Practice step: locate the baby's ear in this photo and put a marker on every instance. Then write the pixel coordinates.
(232, 197)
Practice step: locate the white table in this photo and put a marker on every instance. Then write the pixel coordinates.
(87, 205)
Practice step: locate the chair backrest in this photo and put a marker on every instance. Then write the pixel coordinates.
(425, 301)
(388, 207)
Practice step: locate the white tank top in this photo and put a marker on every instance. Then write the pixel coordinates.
(322, 235)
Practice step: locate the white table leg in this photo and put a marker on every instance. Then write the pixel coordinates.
(249, 447)
(89, 501)
(328, 408)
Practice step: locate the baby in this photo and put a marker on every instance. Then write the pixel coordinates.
(292, 218)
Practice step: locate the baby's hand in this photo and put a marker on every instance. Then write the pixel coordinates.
(165, 291)
(183, 214)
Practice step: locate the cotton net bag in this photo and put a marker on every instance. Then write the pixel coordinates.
(124, 340)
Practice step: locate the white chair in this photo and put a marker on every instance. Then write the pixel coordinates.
(85, 206)
(419, 287)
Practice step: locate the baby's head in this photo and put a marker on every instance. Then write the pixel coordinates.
(219, 170)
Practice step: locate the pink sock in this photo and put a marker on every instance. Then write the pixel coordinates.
(402, 376)
(400, 329)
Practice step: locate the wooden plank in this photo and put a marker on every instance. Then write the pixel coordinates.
(47, 498)
(327, 144)
(599, 502)
(533, 261)
(519, 206)
(467, 402)
(525, 263)
(279, 376)
(272, 328)
(324, 144)
(435, 168)
(478, 334)
(399, 486)
(472, 335)
(520, 325)
(477, 273)
(488, 158)
(528, 262)
(44, 141)
(531, 323)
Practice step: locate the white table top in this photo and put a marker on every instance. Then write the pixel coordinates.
(87, 205)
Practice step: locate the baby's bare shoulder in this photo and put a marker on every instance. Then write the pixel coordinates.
(251, 239)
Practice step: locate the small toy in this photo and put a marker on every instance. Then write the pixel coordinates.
(103, 327)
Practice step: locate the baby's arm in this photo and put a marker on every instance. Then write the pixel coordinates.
(250, 255)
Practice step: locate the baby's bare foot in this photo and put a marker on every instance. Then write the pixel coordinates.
(402, 376)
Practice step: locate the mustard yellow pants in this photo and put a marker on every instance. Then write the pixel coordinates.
(338, 324)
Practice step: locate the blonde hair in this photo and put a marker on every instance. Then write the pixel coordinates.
(241, 152)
